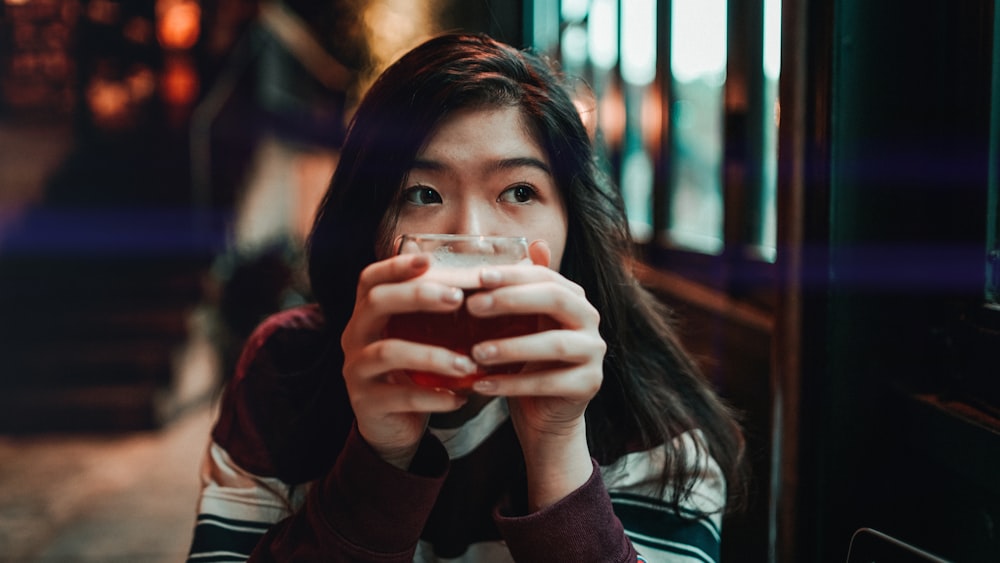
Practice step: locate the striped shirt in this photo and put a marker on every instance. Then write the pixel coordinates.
(284, 479)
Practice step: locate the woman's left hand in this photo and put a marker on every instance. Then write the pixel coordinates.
(563, 370)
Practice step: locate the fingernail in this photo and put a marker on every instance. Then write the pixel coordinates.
(452, 296)
(419, 261)
(445, 391)
(482, 302)
(484, 385)
(489, 276)
(484, 352)
(464, 365)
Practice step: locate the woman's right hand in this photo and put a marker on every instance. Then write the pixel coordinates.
(391, 411)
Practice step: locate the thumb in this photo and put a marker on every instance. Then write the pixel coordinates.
(540, 253)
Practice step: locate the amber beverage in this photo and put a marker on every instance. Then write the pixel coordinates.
(457, 260)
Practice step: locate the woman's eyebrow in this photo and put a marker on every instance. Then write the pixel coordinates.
(424, 164)
(521, 162)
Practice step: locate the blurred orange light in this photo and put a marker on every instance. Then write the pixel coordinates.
(179, 82)
(611, 115)
(179, 23)
(652, 117)
(108, 99)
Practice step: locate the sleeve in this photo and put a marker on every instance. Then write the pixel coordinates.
(288, 477)
(363, 510)
(589, 529)
(235, 509)
(621, 515)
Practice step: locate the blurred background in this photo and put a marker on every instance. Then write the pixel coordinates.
(811, 185)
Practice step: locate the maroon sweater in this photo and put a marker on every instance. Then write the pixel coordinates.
(290, 479)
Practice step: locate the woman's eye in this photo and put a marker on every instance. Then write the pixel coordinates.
(422, 195)
(521, 193)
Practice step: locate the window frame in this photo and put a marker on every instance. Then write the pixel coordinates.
(737, 270)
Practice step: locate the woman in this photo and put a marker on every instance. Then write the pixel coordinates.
(607, 446)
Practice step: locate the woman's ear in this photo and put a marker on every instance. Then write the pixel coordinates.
(540, 253)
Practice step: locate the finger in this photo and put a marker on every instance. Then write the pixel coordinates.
(500, 276)
(382, 301)
(410, 246)
(395, 269)
(564, 346)
(567, 307)
(418, 295)
(579, 383)
(392, 355)
(399, 397)
(540, 253)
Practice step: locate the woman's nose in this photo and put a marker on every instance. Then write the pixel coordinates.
(471, 220)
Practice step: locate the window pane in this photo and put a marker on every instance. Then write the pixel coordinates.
(602, 44)
(993, 206)
(574, 48)
(639, 42)
(992, 289)
(766, 238)
(545, 25)
(993, 216)
(698, 68)
(638, 69)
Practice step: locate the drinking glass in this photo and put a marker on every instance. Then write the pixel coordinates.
(457, 260)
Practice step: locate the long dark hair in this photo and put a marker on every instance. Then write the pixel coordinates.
(652, 390)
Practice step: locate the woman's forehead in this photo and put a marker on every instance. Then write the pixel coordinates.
(495, 133)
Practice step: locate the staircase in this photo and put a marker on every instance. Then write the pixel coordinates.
(100, 323)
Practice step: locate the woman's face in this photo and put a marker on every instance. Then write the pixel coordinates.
(482, 173)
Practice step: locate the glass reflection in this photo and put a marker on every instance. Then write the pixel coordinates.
(767, 236)
(698, 68)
